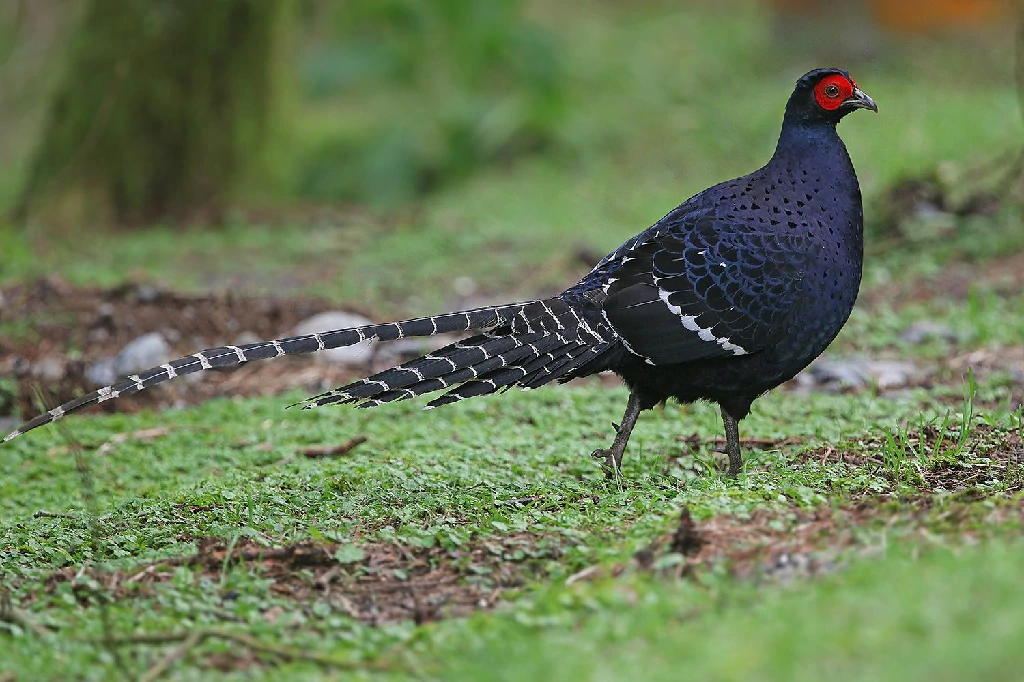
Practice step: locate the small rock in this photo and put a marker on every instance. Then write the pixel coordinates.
(147, 293)
(195, 377)
(246, 338)
(852, 373)
(142, 353)
(359, 354)
(928, 223)
(926, 330)
(16, 366)
(101, 372)
(148, 350)
(464, 286)
(399, 351)
(787, 567)
(49, 370)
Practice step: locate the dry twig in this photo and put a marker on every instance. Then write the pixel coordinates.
(190, 640)
(334, 450)
(43, 514)
(11, 614)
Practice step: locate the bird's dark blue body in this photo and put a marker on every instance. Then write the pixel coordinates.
(784, 247)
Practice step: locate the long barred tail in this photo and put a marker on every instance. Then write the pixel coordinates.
(545, 341)
(228, 356)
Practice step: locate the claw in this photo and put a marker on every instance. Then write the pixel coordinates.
(611, 464)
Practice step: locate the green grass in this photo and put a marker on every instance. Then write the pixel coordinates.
(421, 474)
(984, 318)
(438, 479)
(898, 617)
(893, 619)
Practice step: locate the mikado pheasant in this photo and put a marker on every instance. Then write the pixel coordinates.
(729, 295)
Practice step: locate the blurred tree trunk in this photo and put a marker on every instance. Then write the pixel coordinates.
(163, 106)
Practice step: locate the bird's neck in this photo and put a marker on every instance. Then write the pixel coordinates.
(804, 144)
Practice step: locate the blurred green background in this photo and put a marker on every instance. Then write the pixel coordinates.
(377, 150)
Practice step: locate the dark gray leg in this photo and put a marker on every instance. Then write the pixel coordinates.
(612, 455)
(732, 443)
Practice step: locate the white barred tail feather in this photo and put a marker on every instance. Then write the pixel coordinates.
(541, 337)
(523, 341)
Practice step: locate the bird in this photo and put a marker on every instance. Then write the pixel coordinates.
(729, 295)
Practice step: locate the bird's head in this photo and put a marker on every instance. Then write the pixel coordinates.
(826, 95)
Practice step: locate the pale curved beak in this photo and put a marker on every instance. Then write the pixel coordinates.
(860, 100)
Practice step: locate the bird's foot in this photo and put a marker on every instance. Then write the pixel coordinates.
(612, 461)
(735, 462)
(735, 465)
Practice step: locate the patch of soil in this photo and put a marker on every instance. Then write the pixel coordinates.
(935, 193)
(831, 454)
(705, 447)
(717, 444)
(779, 545)
(986, 361)
(988, 453)
(784, 545)
(1004, 276)
(376, 583)
(380, 583)
(51, 332)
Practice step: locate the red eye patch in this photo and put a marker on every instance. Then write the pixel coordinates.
(832, 91)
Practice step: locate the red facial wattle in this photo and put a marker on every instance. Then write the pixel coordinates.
(832, 91)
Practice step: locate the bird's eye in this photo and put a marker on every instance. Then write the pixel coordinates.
(832, 90)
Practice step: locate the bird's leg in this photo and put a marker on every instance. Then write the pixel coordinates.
(732, 443)
(612, 455)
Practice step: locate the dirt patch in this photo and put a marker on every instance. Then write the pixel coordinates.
(1002, 276)
(376, 583)
(784, 545)
(381, 583)
(933, 460)
(832, 454)
(768, 543)
(51, 332)
(1008, 360)
(989, 454)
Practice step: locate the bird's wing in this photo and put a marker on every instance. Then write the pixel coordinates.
(699, 286)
